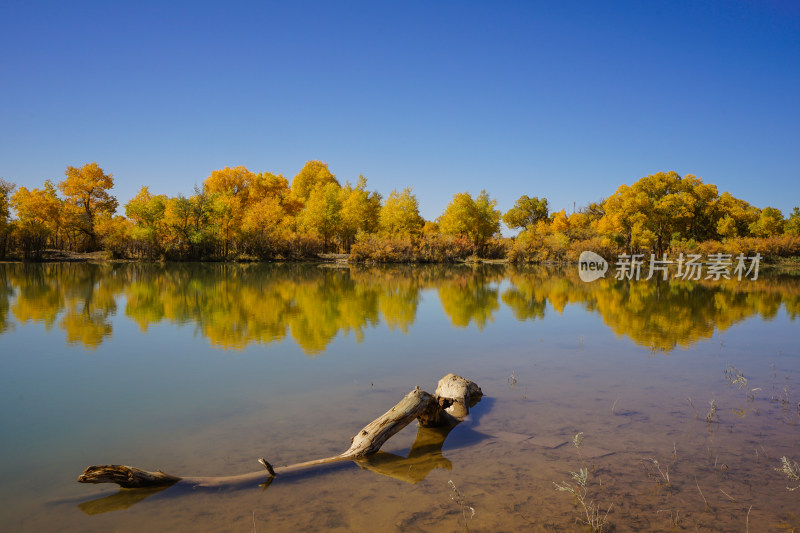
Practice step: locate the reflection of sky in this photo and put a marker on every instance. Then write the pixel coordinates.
(64, 407)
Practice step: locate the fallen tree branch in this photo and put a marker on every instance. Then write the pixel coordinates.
(447, 407)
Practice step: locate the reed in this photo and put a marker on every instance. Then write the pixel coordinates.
(711, 415)
(594, 518)
(457, 497)
(654, 471)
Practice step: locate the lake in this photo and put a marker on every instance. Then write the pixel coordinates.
(681, 396)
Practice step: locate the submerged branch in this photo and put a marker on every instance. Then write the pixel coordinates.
(446, 408)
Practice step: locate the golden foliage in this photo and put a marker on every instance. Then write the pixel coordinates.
(241, 215)
(476, 219)
(312, 175)
(234, 306)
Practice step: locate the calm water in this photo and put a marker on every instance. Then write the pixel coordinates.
(202, 369)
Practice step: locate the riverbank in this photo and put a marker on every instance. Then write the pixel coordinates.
(788, 264)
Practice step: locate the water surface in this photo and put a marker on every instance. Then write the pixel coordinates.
(202, 369)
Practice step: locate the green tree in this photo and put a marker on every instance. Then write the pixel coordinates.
(526, 212)
(6, 188)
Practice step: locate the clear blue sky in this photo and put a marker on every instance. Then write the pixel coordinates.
(565, 100)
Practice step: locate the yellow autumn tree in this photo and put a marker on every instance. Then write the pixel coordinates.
(227, 212)
(234, 181)
(270, 185)
(147, 212)
(228, 191)
(476, 219)
(734, 216)
(322, 214)
(312, 175)
(262, 226)
(770, 223)
(360, 211)
(655, 209)
(178, 222)
(792, 226)
(399, 216)
(86, 191)
(39, 217)
(526, 212)
(115, 234)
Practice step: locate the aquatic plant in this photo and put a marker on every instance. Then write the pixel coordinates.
(734, 376)
(691, 404)
(457, 497)
(579, 488)
(708, 507)
(593, 518)
(674, 517)
(654, 471)
(791, 470)
(512, 380)
(711, 415)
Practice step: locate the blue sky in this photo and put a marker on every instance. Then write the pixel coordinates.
(565, 100)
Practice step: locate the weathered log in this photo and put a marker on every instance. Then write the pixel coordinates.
(446, 408)
(128, 477)
(454, 396)
(370, 439)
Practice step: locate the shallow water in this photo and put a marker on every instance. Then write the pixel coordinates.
(202, 369)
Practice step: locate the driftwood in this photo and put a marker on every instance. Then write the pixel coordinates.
(424, 456)
(444, 409)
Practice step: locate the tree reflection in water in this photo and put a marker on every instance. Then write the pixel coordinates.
(236, 305)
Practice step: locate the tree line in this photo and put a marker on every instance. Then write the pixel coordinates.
(241, 215)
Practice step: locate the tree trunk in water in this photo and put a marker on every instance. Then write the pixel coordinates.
(445, 408)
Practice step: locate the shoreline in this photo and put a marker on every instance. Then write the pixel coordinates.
(101, 257)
